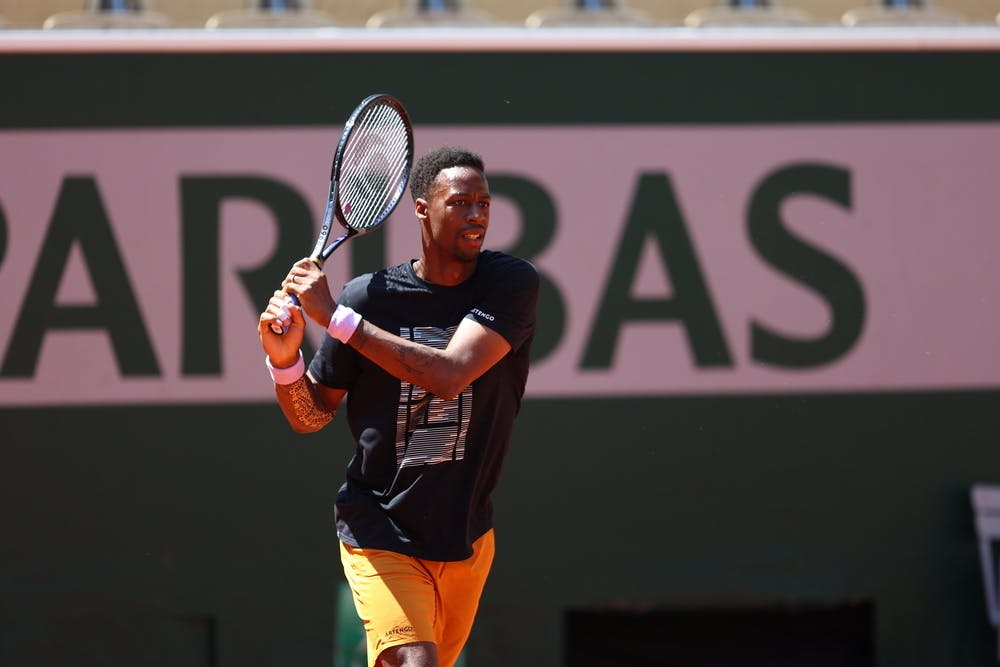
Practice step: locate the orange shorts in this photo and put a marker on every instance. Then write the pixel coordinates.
(401, 599)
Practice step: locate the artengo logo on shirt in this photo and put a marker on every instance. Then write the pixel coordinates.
(485, 316)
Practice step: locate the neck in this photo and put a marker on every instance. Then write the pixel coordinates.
(452, 274)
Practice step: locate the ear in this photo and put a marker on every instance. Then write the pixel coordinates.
(420, 206)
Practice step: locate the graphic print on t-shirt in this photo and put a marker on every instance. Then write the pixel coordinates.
(430, 429)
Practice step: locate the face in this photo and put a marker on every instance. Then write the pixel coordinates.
(455, 215)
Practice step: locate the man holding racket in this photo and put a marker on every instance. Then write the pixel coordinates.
(433, 356)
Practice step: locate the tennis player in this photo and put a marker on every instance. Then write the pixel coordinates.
(432, 355)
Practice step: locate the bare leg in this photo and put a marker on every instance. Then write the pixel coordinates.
(417, 654)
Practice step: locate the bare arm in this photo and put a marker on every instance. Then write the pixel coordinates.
(308, 405)
(472, 351)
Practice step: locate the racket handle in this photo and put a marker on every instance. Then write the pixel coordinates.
(278, 329)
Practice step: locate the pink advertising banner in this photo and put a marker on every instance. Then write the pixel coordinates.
(720, 228)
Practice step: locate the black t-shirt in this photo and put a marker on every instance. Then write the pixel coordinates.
(424, 468)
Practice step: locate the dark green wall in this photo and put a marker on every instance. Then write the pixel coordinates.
(253, 89)
(220, 512)
(692, 502)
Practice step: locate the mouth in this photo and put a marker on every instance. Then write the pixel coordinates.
(473, 236)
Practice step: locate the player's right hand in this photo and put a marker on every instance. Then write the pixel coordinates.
(281, 312)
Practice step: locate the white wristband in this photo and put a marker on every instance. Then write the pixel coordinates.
(287, 375)
(343, 323)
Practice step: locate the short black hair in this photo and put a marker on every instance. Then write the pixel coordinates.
(430, 165)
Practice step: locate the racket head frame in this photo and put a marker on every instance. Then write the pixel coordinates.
(322, 249)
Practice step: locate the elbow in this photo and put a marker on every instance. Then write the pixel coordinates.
(446, 395)
(448, 381)
(448, 390)
(312, 422)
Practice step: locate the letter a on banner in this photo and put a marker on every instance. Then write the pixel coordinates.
(80, 218)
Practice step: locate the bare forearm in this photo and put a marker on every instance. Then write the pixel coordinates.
(303, 408)
(417, 364)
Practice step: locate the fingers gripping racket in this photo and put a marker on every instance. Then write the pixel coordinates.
(371, 168)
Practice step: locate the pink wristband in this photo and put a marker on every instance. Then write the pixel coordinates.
(343, 323)
(286, 375)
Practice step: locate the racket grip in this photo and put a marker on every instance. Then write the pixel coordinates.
(277, 328)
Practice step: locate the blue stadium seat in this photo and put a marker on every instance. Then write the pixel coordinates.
(901, 13)
(589, 13)
(746, 13)
(271, 14)
(430, 14)
(101, 14)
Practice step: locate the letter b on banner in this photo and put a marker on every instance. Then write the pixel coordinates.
(538, 227)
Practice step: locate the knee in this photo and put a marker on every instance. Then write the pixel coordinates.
(417, 654)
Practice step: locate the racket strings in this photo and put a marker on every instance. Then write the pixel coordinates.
(383, 168)
(375, 166)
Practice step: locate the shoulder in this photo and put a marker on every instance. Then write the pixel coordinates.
(494, 264)
(393, 279)
(356, 289)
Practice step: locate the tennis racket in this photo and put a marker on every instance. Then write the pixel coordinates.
(371, 168)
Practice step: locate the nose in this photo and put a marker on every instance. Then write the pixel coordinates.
(479, 213)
